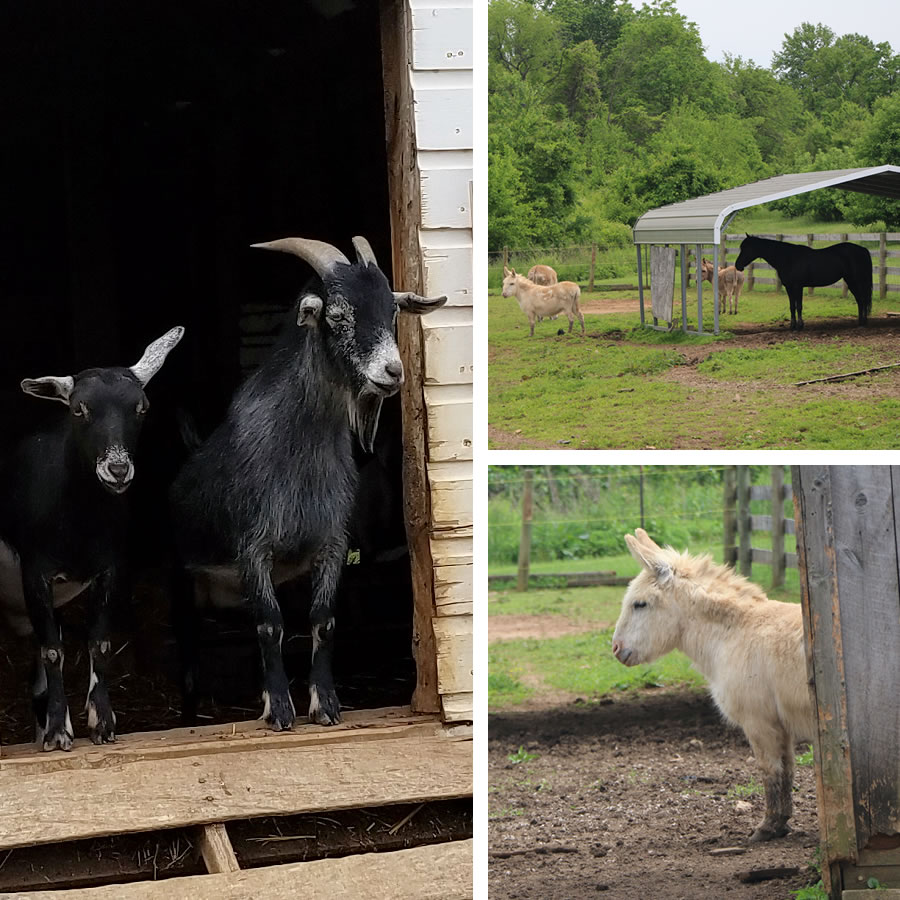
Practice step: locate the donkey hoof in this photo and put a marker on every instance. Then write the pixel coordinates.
(324, 706)
(768, 831)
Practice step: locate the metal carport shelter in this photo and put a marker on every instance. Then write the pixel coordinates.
(702, 220)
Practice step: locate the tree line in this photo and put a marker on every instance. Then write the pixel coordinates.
(599, 111)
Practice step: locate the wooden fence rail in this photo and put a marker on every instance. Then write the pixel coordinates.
(740, 523)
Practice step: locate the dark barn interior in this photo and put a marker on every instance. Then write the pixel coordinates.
(143, 149)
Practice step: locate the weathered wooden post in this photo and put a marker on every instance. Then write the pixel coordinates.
(525, 540)
(743, 496)
(506, 257)
(593, 265)
(882, 265)
(729, 519)
(847, 541)
(778, 558)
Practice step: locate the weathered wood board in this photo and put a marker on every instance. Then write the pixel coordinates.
(110, 793)
(450, 422)
(662, 281)
(435, 872)
(454, 653)
(441, 35)
(443, 111)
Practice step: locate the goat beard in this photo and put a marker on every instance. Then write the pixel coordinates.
(365, 410)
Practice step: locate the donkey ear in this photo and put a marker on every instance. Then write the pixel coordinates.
(649, 555)
(50, 387)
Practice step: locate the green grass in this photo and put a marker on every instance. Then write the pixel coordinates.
(590, 606)
(742, 791)
(613, 387)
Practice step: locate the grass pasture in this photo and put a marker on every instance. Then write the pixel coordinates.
(623, 386)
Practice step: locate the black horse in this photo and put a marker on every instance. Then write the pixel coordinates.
(799, 267)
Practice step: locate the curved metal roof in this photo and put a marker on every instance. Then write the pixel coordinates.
(700, 221)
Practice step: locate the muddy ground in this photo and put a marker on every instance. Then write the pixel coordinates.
(628, 798)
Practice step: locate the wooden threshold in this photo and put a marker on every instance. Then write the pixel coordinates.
(433, 872)
(147, 783)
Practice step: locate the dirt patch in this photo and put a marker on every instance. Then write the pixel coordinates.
(510, 628)
(513, 440)
(627, 799)
(605, 307)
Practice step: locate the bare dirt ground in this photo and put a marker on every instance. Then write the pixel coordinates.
(628, 798)
(511, 628)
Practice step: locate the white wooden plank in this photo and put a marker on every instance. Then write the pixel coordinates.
(448, 272)
(450, 423)
(445, 198)
(453, 590)
(453, 636)
(448, 346)
(451, 549)
(451, 495)
(443, 110)
(457, 707)
(442, 37)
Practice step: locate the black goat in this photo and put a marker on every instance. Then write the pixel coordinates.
(270, 493)
(63, 527)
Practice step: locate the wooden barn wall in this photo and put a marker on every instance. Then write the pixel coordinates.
(849, 549)
(440, 74)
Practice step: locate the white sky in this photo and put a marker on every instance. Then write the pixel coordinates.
(755, 29)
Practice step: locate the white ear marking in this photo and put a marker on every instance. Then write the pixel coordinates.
(50, 387)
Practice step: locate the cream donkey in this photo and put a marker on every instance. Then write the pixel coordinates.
(537, 301)
(749, 648)
(731, 281)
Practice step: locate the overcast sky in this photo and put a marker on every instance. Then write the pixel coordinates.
(755, 29)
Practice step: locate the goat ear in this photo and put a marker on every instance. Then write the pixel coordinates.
(155, 355)
(310, 310)
(50, 387)
(365, 411)
(419, 305)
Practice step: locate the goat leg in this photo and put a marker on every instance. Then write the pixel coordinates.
(256, 577)
(53, 726)
(324, 707)
(100, 716)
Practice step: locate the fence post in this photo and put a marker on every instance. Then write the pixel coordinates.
(744, 557)
(844, 288)
(882, 265)
(750, 277)
(593, 264)
(525, 540)
(729, 549)
(809, 243)
(778, 557)
(778, 237)
(506, 257)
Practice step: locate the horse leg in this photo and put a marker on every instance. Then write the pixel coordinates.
(795, 295)
(857, 290)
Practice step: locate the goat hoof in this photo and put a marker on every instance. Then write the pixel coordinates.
(279, 711)
(103, 734)
(324, 706)
(60, 740)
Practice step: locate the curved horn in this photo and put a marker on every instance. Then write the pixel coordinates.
(415, 303)
(364, 252)
(155, 355)
(321, 256)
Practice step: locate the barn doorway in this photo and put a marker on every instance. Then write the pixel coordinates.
(145, 148)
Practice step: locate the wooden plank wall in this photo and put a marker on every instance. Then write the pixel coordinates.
(849, 549)
(441, 79)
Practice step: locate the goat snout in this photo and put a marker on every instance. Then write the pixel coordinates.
(115, 470)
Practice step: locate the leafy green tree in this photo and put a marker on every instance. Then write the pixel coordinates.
(578, 86)
(523, 39)
(599, 21)
(658, 61)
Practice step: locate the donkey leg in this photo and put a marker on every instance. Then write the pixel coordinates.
(768, 748)
(324, 707)
(256, 579)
